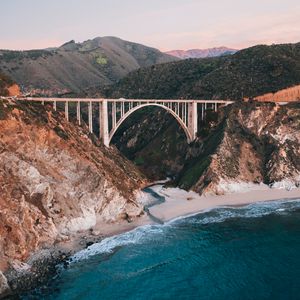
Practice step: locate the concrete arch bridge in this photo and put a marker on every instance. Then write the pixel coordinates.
(113, 112)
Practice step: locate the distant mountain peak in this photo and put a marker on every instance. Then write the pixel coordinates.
(202, 53)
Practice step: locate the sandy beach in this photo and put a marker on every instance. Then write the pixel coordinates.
(180, 203)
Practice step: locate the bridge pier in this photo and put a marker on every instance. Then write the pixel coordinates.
(78, 113)
(104, 130)
(67, 110)
(193, 119)
(91, 117)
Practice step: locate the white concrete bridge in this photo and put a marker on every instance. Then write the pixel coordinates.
(113, 112)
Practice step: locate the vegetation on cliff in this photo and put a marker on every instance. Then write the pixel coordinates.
(5, 83)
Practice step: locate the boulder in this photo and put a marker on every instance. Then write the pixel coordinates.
(4, 287)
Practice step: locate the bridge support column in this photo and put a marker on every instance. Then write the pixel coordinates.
(67, 110)
(104, 135)
(193, 119)
(78, 113)
(91, 117)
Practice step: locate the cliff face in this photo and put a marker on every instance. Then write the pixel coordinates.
(253, 143)
(54, 181)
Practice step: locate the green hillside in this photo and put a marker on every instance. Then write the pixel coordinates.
(250, 72)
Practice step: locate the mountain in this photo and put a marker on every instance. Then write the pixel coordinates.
(247, 73)
(77, 66)
(201, 53)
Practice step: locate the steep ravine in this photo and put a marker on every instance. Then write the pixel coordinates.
(243, 145)
(55, 181)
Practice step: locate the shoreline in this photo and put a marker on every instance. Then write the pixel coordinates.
(177, 204)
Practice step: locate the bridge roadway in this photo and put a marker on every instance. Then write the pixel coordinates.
(113, 112)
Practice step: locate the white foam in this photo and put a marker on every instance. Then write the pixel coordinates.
(107, 245)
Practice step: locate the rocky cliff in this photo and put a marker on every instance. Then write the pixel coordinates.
(243, 145)
(56, 181)
(252, 144)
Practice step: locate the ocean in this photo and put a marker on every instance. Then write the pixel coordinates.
(250, 252)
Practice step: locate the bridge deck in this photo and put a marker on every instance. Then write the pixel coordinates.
(122, 99)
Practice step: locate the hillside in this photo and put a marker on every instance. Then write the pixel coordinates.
(76, 66)
(201, 53)
(248, 73)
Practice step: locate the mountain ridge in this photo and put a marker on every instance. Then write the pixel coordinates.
(73, 66)
(202, 53)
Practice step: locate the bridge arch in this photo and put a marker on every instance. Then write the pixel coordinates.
(131, 111)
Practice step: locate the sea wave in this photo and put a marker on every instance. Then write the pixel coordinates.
(107, 245)
(215, 215)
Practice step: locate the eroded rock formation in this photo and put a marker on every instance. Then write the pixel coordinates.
(56, 181)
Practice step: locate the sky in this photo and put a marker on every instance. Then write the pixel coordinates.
(163, 24)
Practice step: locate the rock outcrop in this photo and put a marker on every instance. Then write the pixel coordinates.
(56, 181)
(254, 143)
(4, 287)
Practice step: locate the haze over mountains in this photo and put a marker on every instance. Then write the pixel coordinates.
(201, 53)
(77, 66)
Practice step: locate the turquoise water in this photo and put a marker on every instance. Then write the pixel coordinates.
(251, 252)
